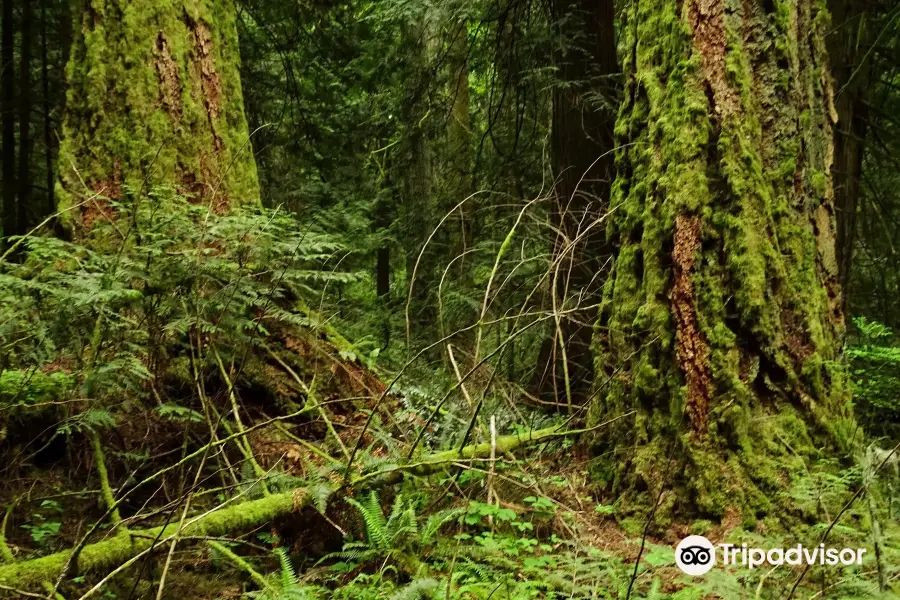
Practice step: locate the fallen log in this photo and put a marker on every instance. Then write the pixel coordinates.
(117, 549)
(105, 555)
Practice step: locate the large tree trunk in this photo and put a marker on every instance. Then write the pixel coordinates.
(7, 118)
(581, 145)
(459, 160)
(850, 51)
(155, 98)
(24, 178)
(382, 223)
(417, 190)
(722, 319)
(50, 204)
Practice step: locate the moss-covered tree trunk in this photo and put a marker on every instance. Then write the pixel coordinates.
(155, 98)
(722, 321)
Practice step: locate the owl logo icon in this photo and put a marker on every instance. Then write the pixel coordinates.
(695, 555)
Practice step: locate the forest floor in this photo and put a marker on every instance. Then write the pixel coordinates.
(528, 524)
(201, 385)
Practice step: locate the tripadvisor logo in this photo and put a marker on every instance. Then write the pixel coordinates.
(696, 555)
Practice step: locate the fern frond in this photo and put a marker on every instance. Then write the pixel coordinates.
(374, 520)
(436, 521)
(288, 574)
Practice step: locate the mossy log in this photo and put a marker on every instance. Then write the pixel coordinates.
(101, 557)
(107, 554)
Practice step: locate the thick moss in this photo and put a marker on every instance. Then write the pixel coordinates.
(154, 98)
(722, 313)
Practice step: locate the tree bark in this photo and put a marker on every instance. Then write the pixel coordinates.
(458, 135)
(417, 189)
(382, 219)
(849, 47)
(25, 105)
(155, 99)
(382, 225)
(8, 119)
(383, 271)
(722, 320)
(581, 145)
(50, 205)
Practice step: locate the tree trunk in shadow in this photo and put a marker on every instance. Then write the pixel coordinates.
(581, 147)
(25, 104)
(849, 47)
(8, 119)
